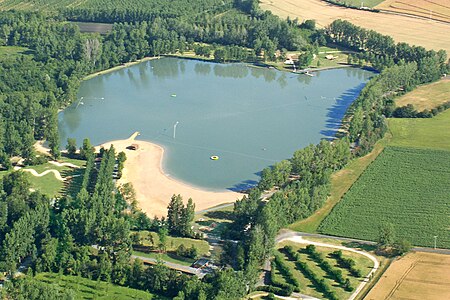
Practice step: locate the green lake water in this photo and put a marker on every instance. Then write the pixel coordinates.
(250, 117)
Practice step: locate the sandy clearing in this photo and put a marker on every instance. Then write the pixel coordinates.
(417, 275)
(153, 188)
(429, 34)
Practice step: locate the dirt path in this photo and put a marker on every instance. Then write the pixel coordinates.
(376, 264)
(34, 173)
(65, 164)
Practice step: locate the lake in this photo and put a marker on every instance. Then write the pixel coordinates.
(250, 117)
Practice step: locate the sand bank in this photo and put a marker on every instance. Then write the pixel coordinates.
(153, 188)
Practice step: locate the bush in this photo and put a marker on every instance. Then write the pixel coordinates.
(286, 291)
(186, 252)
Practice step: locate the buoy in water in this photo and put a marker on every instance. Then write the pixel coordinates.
(214, 157)
(173, 95)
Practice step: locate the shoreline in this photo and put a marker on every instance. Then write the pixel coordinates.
(119, 67)
(153, 187)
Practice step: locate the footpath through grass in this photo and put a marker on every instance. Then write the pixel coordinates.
(91, 289)
(407, 187)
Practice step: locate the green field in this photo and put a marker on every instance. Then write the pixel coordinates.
(365, 3)
(13, 51)
(91, 289)
(171, 245)
(422, 133)
(48, 184)
(306, 286)
(404, 186)
(175, 7)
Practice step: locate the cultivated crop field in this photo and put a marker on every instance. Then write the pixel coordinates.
(434, 9)
(415, 276)
(415, 31)
(404, 186)
(92, 289)
(188, 7)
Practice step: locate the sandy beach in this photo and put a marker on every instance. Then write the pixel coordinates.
(153, 188)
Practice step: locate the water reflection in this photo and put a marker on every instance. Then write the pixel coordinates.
(202, 69)
(230, 110)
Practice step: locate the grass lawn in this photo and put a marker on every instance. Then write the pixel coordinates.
(307, 287)
(220, 217)
(91, 289)
(169, 257)
(422, 133)
(13, 51)
(47, 184)
(174, 242)
(427, 96)
(365, 3)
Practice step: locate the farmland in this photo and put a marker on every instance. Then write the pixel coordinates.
(89, 289)
(434, 9)
(365, 3)
(403, 186)
(415, 276)
(427, 96)
(156, 6)
(431, 35)
(305, 282)
(421, 133)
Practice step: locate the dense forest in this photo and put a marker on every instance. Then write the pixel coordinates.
(89, 234)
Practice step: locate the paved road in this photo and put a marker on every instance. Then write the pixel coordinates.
(200, 273)
(285, 233)
(299, 239)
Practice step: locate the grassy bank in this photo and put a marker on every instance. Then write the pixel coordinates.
(126, 65)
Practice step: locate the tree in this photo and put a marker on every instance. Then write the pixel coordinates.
(71, 147)
(121, 158)
(386, 235)
(162, 235)
(174, 214)
(402, 246)
(187, 218)
(87, 150)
